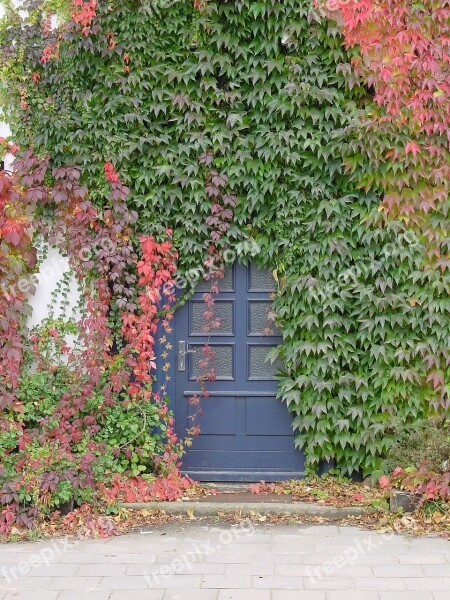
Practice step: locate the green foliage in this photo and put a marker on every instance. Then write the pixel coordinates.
(427, 440)
(360, 321)
(264, 93)
(52, 460)
(127, 428)
(122, 429)
(40, 393)
(62, 475)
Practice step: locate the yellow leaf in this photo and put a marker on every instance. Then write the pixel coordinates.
(413, 301)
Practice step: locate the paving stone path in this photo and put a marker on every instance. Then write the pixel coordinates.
(194, 561)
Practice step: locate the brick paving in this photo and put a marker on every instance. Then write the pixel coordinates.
(194, 561)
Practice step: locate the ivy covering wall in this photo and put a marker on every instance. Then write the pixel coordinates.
(263, 92)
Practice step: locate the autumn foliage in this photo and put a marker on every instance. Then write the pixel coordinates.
(404, 57)
(199, 115)
(100, 375)
(17, 261)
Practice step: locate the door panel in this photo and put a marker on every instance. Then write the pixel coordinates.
(276, 422)
(218, 417)
(246, 431)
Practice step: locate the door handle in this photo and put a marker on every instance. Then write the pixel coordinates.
(182, 351)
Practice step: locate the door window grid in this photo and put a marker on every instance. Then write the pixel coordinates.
(223, 311)
(258, 366)
(225, 285)
(261, 319)
(260, 280)
(222, 364)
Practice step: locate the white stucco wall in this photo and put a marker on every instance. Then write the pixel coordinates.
(5, 132)
(50, 273)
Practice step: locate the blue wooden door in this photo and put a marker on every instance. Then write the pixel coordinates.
(246, 432)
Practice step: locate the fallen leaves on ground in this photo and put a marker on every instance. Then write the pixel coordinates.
(82, 523)
(432, 518)
(325, 491)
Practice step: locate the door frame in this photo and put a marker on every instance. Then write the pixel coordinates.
(175, 403)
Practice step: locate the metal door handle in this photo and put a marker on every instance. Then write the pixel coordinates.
(182, 351)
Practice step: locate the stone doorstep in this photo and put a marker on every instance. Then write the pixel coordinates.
(208, 508)
(246, 497)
